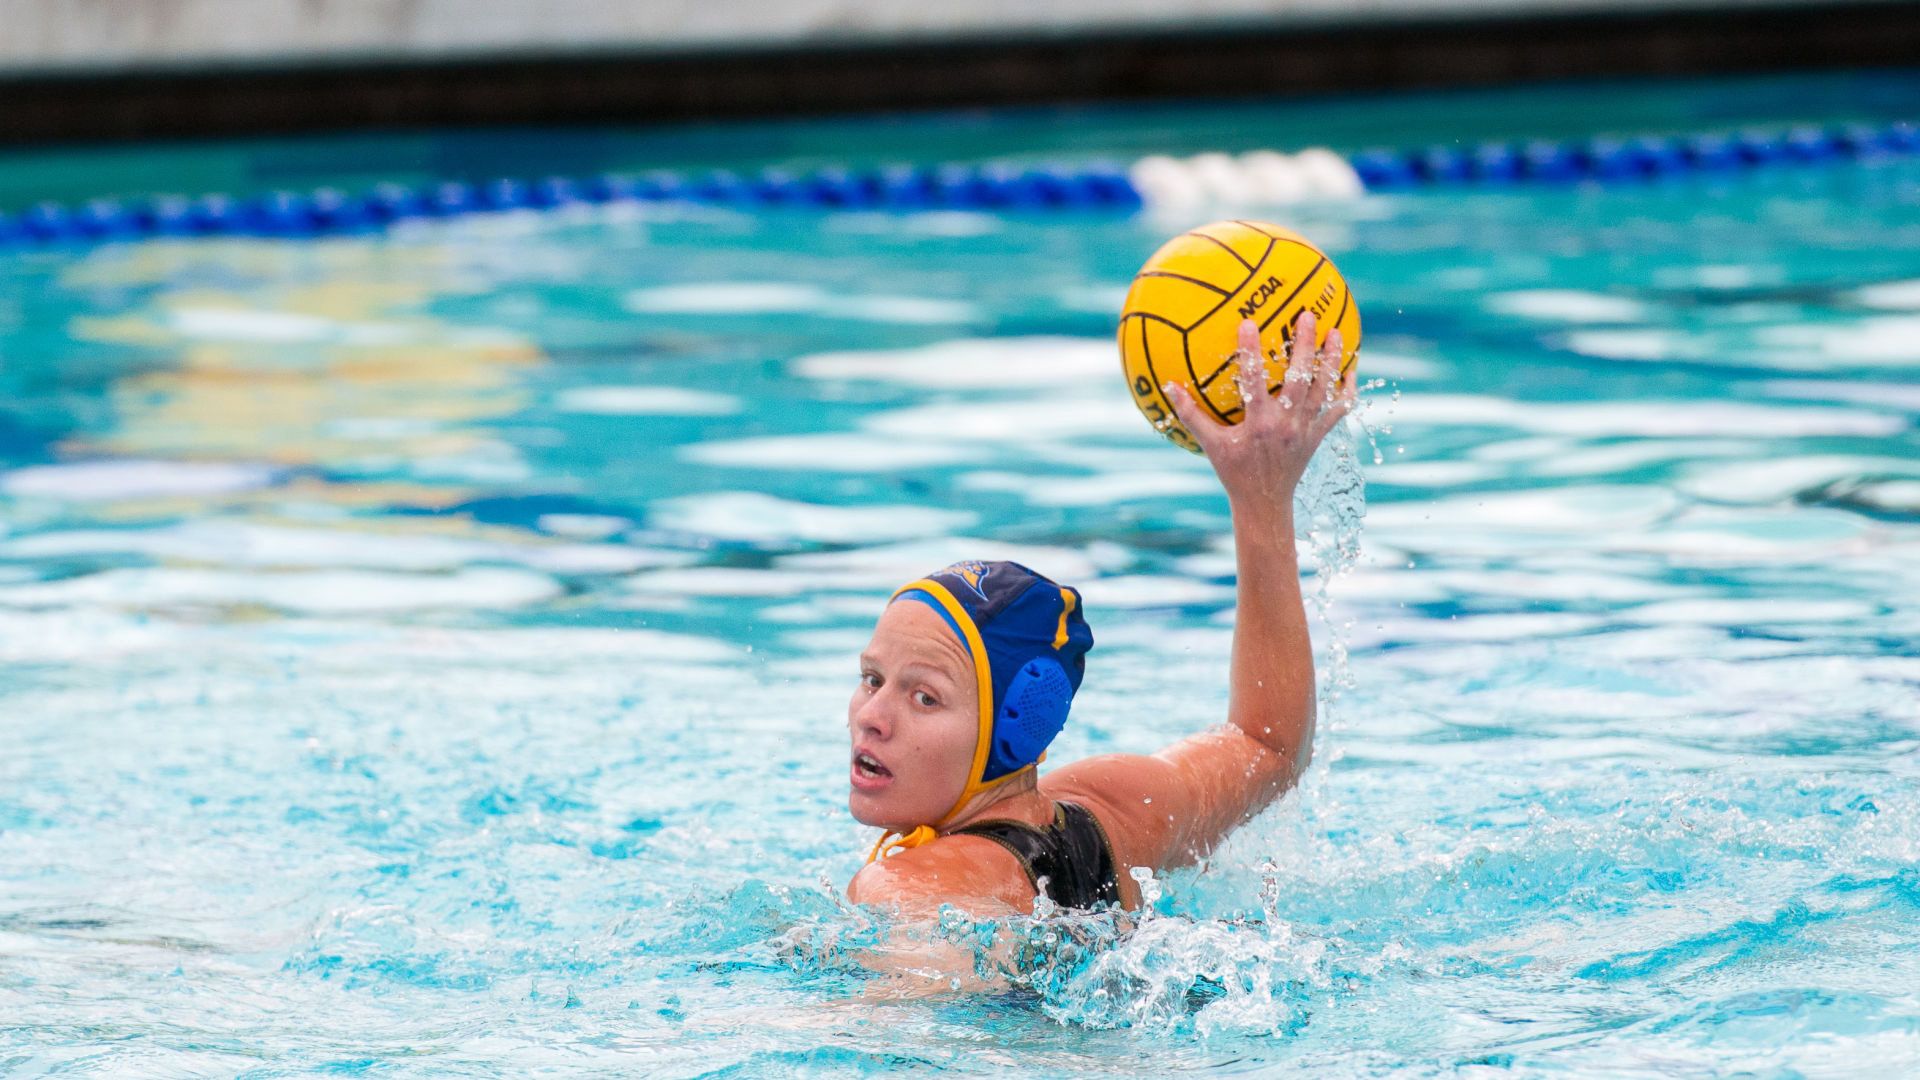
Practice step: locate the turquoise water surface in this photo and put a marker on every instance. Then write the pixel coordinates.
(426, 654)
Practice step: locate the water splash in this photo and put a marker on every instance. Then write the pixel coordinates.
(1329, 509)
(1165, 975)
(1149, 888)
(1200, 976)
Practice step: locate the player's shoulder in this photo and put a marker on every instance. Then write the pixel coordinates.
(1112, 786)
(970, 872)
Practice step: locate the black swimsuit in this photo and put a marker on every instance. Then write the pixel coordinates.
(1071, 856)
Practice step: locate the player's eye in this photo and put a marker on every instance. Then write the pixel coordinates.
(870, 680)
(925, 700)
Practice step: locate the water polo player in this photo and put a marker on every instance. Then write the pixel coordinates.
(971, 671)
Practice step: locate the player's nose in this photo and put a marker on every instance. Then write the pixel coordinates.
(872, 717)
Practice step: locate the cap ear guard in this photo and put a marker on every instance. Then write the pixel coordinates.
(1032, 712)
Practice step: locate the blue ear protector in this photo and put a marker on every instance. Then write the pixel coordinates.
(1032, 712)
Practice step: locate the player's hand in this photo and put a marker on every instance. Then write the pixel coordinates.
(1262, 457)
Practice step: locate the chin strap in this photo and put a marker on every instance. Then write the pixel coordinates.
(926, 834)
(887, 845)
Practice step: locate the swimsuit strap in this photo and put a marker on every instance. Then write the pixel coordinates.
(1072, 855)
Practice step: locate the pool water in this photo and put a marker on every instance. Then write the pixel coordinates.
(426, 654)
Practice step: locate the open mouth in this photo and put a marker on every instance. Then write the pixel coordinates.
(864, 765)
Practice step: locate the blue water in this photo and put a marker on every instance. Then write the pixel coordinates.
(425, 654)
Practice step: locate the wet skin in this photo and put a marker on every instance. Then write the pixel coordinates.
(914, 718)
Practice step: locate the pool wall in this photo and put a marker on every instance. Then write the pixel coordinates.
(69, 73)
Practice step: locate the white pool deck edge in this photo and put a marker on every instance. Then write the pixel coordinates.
(81, 37)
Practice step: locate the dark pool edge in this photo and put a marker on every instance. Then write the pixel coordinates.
(640, 90)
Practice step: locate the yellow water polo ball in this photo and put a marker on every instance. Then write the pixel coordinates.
(1181, 322)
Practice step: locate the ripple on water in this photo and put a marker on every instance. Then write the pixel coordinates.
(320, 592)
(256, 544)
(788, 299)
(889, 565)
(751, 515)
(103, 481)
(834, 453)
(1569, 305)
(998, 364)
(645, 401)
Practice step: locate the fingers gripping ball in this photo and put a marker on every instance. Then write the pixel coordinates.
(1183, 314)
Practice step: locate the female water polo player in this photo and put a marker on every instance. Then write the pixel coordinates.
(971, 670)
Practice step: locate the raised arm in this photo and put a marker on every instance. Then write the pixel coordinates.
(1171, 807)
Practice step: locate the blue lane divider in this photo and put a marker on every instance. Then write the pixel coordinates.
(1090, 187)
(1609, 159)
(1086, 187)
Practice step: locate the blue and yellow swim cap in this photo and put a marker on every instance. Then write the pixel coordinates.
(1028, 641)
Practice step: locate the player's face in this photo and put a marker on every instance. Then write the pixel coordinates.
(914, 720)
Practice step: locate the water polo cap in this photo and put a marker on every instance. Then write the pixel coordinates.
(1028, 641)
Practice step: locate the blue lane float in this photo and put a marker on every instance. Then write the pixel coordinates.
(1612, 159)
(1083, 187)
(1258, 177)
